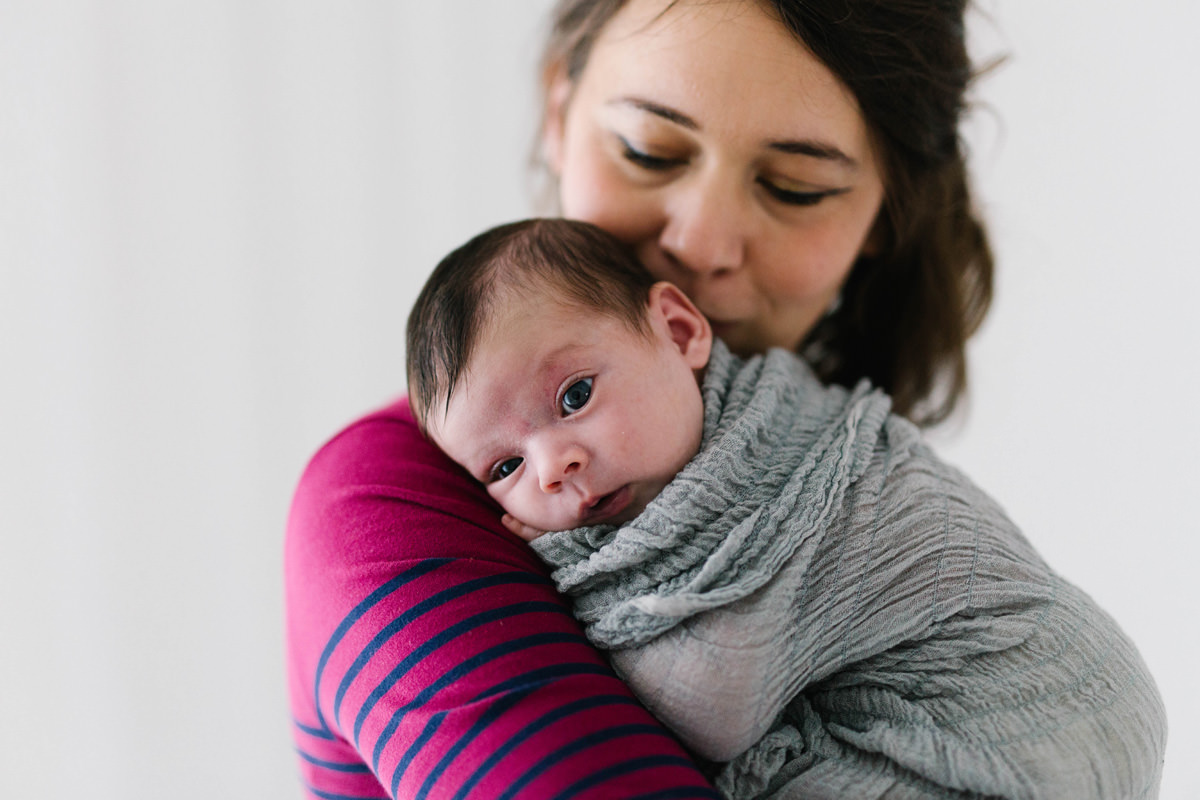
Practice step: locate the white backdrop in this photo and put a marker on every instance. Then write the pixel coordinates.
(214, 217)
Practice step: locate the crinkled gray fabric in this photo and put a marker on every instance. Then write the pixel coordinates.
(822, 609)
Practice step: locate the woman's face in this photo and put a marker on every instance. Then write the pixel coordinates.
(736, 164)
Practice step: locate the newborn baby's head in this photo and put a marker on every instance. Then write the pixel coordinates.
(544, 360)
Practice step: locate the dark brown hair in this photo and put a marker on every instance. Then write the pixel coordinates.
(906, 311)
(571, 262)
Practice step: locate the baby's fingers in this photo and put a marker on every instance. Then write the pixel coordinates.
(520, 528)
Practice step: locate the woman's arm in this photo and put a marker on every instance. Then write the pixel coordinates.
(429, 655)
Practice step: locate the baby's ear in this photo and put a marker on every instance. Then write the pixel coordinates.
(671, 310)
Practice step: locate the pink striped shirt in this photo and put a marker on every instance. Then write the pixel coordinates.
(430, 657)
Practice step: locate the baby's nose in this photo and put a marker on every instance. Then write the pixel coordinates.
(560, 466)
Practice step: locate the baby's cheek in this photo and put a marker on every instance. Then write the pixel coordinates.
(501, 496)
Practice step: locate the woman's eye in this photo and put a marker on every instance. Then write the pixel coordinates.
(577, 395)
(647, 161)
(505, 468)
(795, 198)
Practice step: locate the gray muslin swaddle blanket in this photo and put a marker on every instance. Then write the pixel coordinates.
(820, 608)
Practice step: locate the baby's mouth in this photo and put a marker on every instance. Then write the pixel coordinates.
(607, 506)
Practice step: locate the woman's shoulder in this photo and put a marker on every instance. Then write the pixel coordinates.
(415, 624)
(380, 483)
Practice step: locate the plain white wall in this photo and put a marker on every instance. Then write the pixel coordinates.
(213, 219)
(1087, 374)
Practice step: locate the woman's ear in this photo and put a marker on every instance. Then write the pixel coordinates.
(674, 316)
(557, 93)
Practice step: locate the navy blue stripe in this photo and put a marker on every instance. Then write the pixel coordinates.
(400, 622)
(463, 668)
(431, 726)
(497, 708)
(356, 614)
(517, 689)
(431, 645)
(334, 766)
(316, 733)
(540, 677)
(529, 730)
(577, 746)
(331, 796)
(624, 768)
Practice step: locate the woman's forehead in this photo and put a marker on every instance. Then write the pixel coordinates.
(728, 65)
(649, 24)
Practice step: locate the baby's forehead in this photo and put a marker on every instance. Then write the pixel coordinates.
(540, 311)
(523, 339)
(531, 338)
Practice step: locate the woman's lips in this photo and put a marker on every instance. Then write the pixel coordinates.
(607, 507)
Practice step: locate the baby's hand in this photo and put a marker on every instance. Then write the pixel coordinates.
(520, 528)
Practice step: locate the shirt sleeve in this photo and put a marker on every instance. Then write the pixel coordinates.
(429, 656)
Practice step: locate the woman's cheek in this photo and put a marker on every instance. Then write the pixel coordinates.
(598, 192)
(821, 260)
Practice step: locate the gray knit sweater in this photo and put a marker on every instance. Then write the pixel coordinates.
(823, 609)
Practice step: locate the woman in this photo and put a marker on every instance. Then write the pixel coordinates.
(794, 167)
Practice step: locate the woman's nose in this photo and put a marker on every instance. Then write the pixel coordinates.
(559, 462)
(707, 227)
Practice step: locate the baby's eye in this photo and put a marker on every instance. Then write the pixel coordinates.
(577, 395)
(505, 468)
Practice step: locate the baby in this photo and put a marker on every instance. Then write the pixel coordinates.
(782, 571)
(572, 395)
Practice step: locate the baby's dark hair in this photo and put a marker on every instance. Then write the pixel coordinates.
(569, 261)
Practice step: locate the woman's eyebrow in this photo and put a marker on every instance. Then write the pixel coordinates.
(669, 114)
(815, 149)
